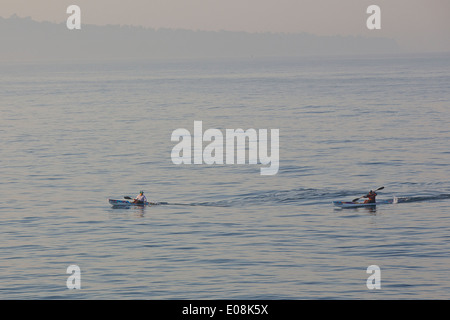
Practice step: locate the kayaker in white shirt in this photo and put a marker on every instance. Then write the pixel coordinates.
(140, 199)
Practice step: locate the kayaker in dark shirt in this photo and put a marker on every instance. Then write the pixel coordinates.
(370, 197)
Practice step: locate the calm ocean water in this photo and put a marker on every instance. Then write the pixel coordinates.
(73, 135)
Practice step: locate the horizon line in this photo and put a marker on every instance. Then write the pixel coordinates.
(289, 33)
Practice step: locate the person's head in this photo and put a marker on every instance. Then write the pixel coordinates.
(141, 193)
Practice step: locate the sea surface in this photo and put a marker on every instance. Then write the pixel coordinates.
(74, 134)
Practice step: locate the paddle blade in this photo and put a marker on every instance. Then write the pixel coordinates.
(128, 198)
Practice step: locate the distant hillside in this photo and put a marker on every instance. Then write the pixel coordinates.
(25, 39)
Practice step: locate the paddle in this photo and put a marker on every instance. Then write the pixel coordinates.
(354, 200)
(128, 198)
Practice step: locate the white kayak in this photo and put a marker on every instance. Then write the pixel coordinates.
(348, 204)
(126, 203)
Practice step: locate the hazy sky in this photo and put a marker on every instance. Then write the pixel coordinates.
(416, 24)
